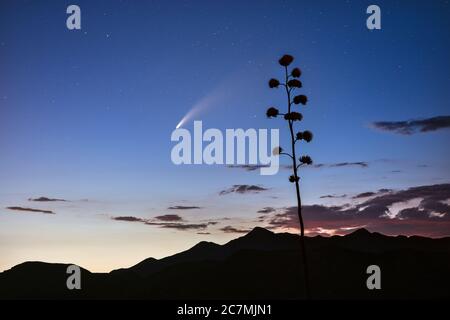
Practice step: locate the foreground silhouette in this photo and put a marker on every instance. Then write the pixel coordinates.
(259, 265)
(290, 84)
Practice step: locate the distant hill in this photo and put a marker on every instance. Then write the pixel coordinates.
(259, 265)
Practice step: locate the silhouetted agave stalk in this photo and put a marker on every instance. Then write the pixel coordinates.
(291, 83)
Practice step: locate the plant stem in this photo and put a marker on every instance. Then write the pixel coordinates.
(297, 189)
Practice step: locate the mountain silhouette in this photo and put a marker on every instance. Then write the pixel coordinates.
(258, 265)
(257, 239)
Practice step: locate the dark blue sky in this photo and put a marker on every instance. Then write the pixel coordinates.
(88, 114)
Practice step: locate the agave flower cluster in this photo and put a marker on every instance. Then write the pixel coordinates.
(293, 115)
(291, 83)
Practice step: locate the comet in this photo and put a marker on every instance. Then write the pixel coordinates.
(217, 95)
(201, 106)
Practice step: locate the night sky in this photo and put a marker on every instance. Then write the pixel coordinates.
(86, 117)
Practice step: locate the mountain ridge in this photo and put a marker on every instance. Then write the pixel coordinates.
(235, 270)
(255, 232)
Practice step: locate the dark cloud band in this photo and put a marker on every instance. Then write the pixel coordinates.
(414, 126)
(431, 217)
(30, 210)
(45, 199)
(183, 207)
(242, 189)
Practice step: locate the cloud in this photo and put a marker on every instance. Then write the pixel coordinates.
(414, 126)
(45, 199)
(179, 226)
(204, 233)
(168, 221)
(369, 194)
(314, 216)
(230, 229)
(361, 164)
(248, 167)
(183, 207)
(332, 196)
(430, 196)
(364, 195)
(30, 210)
(266, 210)
(128, 219)
(431, 217)
(242, 189)
(422, 210)
(169, 217)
